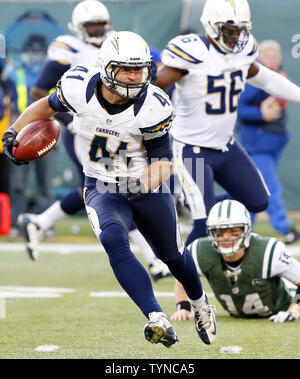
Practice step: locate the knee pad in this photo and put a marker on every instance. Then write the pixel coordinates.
(114, 240)
(259, 207)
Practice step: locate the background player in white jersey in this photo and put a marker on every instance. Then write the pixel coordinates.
(91, 24)
(122, 124)
(210, 72)
(244, 270)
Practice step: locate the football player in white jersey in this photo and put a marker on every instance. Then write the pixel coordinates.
(122, 124)
(210, 72)
(91, 24)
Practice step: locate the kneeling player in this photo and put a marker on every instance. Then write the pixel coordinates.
(244, 270)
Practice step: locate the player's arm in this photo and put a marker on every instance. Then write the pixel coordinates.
(183, 306)
(160, 156)
(284, 265)
(167, 76)
(156, 174)
(294, 307)
(49, 75)
(273, 83)
(39, 110)
(293, 312)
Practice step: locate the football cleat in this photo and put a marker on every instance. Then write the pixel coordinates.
(159, 330)
(205, 322)
(32, 234)
(158, 270)
(291, 236)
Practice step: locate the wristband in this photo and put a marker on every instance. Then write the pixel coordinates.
(13, 130)
(183, 305)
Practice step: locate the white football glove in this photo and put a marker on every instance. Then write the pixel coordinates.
(283, 317)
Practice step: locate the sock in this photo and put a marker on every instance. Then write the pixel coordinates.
(184, 270)
(50, 216)
(198, 302)
(137, 238)
(129, 272)
(199, 230)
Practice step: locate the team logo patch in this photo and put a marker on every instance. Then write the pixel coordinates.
(258, 282)
(235, 290)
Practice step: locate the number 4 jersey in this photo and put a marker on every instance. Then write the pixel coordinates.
(206, 98)
(255, 289)
(111, 145)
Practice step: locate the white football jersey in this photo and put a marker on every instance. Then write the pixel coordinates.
(111, 146)
(72, 50)
(207, 96)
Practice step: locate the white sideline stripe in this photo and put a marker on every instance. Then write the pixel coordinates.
(231, 350)
(46, 348)
(18, 292)
(59, 248)
(124, 294)
(70, 248)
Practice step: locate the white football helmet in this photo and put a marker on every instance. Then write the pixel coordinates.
(229, 214)
(124, 50)
(228, 23)
(90, 12)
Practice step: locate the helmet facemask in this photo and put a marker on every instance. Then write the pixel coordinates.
(236, 244)
(125, 89)
(231, 38)
(94, 32)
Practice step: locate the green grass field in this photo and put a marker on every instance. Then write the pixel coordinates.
(82, 326)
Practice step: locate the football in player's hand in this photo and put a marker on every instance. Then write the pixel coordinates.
(36, 140)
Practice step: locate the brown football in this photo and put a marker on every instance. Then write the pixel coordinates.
(36, 140)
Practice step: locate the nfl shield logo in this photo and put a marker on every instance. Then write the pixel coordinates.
(108, 122)
(235, 290)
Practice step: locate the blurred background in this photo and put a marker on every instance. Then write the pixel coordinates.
(157, 21)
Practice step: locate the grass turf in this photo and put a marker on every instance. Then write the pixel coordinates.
(89, 327)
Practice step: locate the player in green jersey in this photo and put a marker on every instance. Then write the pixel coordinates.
(244, 270)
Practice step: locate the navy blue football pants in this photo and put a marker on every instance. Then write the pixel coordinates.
(232, 169)
(111, 215)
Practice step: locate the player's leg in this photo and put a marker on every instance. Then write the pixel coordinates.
(110, 216)
(196, 177)
(239, 176)
(156, 218)
(34, 226)
(156, 267)
(18, 186)
(44, 173)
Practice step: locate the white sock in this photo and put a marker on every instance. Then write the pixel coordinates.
(50, 216)
(137, 238)
(198, 302)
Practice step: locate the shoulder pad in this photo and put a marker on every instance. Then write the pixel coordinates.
(184, 51)
(63, 48)
(75, 85)
(156, 115)
(251, 49)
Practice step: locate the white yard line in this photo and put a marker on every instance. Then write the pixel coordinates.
(71, 248)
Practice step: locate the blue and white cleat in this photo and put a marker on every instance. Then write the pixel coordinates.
(159, 330)
(205, 322)
(158, 270)
(32, 234)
